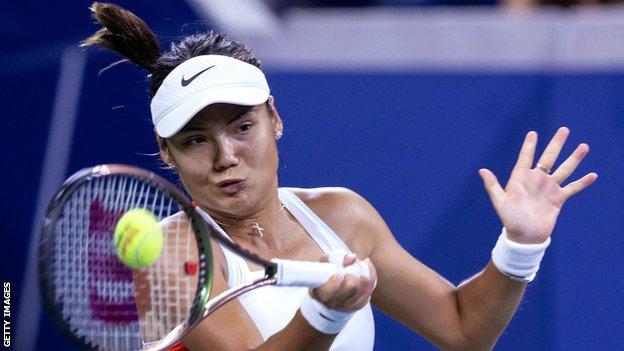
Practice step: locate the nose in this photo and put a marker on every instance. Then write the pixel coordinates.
(225, 154)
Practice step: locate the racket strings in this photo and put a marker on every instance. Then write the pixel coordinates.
(103, 301)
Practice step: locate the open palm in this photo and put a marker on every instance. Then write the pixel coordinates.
(530, 203)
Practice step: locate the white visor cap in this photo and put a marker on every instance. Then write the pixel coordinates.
(201, 81)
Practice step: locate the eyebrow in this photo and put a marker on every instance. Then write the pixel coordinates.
(190, 129)
(241, 115)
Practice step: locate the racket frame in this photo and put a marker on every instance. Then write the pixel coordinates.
(204, 226)
(48, 234)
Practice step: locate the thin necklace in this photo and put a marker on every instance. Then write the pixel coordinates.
(255, 225)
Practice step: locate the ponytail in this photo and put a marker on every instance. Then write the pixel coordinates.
(124, 33)
(128, 35)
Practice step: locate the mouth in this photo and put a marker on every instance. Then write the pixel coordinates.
(231, 185)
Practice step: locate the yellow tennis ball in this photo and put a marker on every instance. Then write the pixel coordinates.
(138, 238)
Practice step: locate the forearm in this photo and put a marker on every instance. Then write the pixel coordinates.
(315, 324)
(486, 303)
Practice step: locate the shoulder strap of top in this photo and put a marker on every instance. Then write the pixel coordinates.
(324, 236)
(237, 268)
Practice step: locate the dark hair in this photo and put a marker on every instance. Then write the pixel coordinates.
(128, 35)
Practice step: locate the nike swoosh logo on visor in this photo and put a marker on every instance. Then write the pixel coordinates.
(186, 82)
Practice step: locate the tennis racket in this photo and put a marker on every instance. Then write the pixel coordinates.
(103, 304)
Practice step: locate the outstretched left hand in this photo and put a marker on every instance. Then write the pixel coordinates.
(531, 201)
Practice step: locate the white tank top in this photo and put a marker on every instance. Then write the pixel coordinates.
(272, 308)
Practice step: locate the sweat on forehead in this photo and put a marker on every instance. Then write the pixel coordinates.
(202, 81)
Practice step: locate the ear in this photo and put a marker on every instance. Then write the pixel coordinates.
(276, 120)
(163, 148)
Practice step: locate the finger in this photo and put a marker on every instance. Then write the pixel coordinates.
(364, 288)
(578, 186)
(360, 302)
(551, 153)
(327, 291)
(527, 151)
(324, 258)
(492, 186)
(337, 257)
(362, 299)
(349, 259)
(569, 165)
(347, 289)
(373, 272)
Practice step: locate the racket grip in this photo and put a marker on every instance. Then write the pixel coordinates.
(314, 274)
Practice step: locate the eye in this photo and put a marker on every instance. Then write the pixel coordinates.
(195, 140)
(244, 128)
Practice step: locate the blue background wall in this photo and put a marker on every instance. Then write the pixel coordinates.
(411, 143)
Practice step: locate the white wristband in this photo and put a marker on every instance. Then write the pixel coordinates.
(518, 261)
(322, 318)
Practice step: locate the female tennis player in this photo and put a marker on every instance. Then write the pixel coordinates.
(217, 126)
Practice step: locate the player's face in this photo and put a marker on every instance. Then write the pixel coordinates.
(226, 157)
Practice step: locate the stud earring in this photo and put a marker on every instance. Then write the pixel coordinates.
(278, 134)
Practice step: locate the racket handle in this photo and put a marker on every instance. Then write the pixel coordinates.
(314, 274)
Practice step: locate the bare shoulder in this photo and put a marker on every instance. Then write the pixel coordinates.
(346, 212)
(327, 195)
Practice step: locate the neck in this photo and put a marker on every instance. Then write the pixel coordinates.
(263, 223)
(263, 210)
